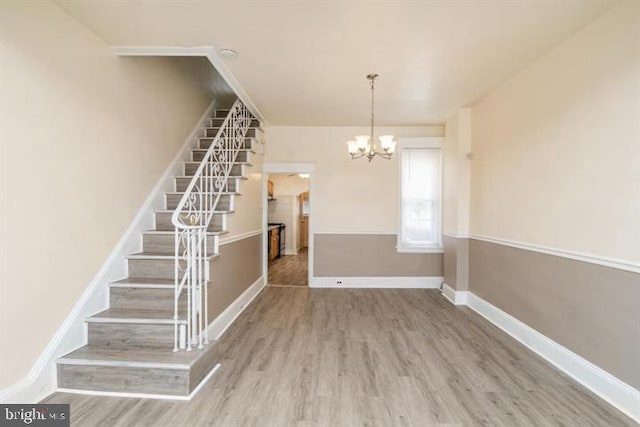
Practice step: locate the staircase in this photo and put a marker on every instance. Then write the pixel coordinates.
(132, 345)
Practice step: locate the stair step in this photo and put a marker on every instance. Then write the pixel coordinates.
(148, 370)
(218, 121)
(224, 203)
(113, 315)
(244, 154)
(238, 168)
(221, 113)
(153, 265)
(163, 221)
(164, 241)
(133, 327)
(205, 142)
(233, 185)
(143, 282)
(137, 298)
(212, 131)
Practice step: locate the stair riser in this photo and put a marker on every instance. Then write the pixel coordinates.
(243, 156)
(125, 380)
(122, 335)
(152, 268)
(165, 243)
(212, 132)
(191, 168)
(163, 222)
(144, 299)
(221, 114)
(231, 186)
(205, 143)
(217, 122)
(224, 203)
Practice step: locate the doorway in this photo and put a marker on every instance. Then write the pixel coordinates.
(288, 216)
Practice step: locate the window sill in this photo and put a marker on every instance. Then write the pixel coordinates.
(420, 250)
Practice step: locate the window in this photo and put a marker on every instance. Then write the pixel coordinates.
(420, 196)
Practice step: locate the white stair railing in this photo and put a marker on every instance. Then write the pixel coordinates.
(191, 220)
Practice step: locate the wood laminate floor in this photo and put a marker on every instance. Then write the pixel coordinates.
(344, 357)
(290, 270)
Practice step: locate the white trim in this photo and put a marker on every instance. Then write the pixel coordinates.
(376, 233)
(431, 142)
(419, 250)
(402, 282)
(231, 313)
(455, 297)
(578, 256)
(238, 237)
(288, 167)
(290, 252)
(210, 52)
(609, 388)
(143, 395)
(41, 380)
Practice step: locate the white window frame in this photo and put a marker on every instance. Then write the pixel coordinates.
(419, 142)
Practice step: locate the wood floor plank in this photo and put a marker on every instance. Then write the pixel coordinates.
(357, 357)
(290, 270)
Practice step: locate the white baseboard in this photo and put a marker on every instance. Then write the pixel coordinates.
(229, 315)
(430, 282)
(617, 393)
(455, 297)
(41, 380)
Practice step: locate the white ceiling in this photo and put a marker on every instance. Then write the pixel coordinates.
(304, 62)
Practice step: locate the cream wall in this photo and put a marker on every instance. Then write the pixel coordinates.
(84, 137)
(247, 216)
(557, 147)
(349, 196)
(289, 185)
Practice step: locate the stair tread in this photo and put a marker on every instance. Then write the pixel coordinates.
(152, 357)
(167, 232)
(235, 163)
(229, 177)
(154, 254)
(206, 149)
(133, 281)
(119, 314)
(164, 211)
(224, 193)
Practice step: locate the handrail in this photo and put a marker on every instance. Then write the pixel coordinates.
(191, 220)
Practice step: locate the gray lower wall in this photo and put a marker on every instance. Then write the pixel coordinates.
(456, 262)
(369, 255)
(238, 267)
(590, 309)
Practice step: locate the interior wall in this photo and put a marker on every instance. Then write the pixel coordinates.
(557, 154)
(557, 164)
(350, 197)
(457, 157)
(85, 136)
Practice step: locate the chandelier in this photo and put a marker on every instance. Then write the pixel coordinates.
(364, 145)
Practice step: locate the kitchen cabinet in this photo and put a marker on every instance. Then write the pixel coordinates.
(303, 199)
(276, 240)
(274, 243)
(270, 189)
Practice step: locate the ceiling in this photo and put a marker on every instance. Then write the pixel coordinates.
(304, 62)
